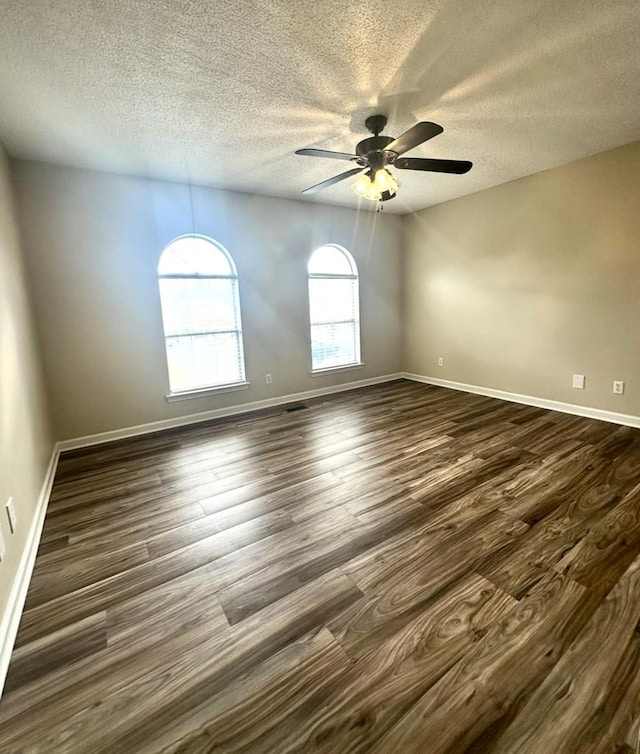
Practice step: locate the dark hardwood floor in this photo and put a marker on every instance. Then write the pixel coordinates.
(401, 568)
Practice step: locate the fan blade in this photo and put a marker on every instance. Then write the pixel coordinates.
(420, 133)
(326, 153)
(331, 181)
(436, 166)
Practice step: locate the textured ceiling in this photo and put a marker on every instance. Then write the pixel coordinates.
(222, 93)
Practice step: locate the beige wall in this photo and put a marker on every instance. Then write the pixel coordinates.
(93, 241)
(517, 287)
(522, 285)
(25, 439)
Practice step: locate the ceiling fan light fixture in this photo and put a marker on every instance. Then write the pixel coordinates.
(385, 181)
(365, 187)
(362, 184)
(373, 188)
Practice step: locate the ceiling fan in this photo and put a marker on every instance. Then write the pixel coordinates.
(375, 154)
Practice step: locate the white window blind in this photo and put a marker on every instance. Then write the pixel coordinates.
(333, 308)
(201, 315)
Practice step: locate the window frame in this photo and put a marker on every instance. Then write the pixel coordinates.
(212, 388)
(355, 322)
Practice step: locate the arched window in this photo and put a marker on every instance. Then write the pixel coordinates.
(201, 315)
(333, 308)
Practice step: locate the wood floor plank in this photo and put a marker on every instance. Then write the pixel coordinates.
(294, 495)
(135, 506)
(565, 712)
(52, 545)
(58, 649)
(136, 526)
(142, 632)
(155, 700)
(364, 702)
(239, 718)
(577, 514)
(100, 595)
(515, 655)
(181, 603)
(419, 573)
(230, 495)
(395, 568)
(552, 484)
(621, 715)
(603, 554)
(63, 573)
(435, 530)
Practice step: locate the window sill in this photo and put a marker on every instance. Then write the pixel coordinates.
(207, 391)
(331, 370)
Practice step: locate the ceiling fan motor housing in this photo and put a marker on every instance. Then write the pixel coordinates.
(373, 151)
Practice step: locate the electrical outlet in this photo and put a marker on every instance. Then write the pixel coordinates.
(11, 515)
(578, 382)
(618, 387)
(267, 379)
(440, 361)
(3, 549)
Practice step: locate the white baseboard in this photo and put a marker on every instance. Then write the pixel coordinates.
(10, 620)
(218, 413)
(530, 400)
